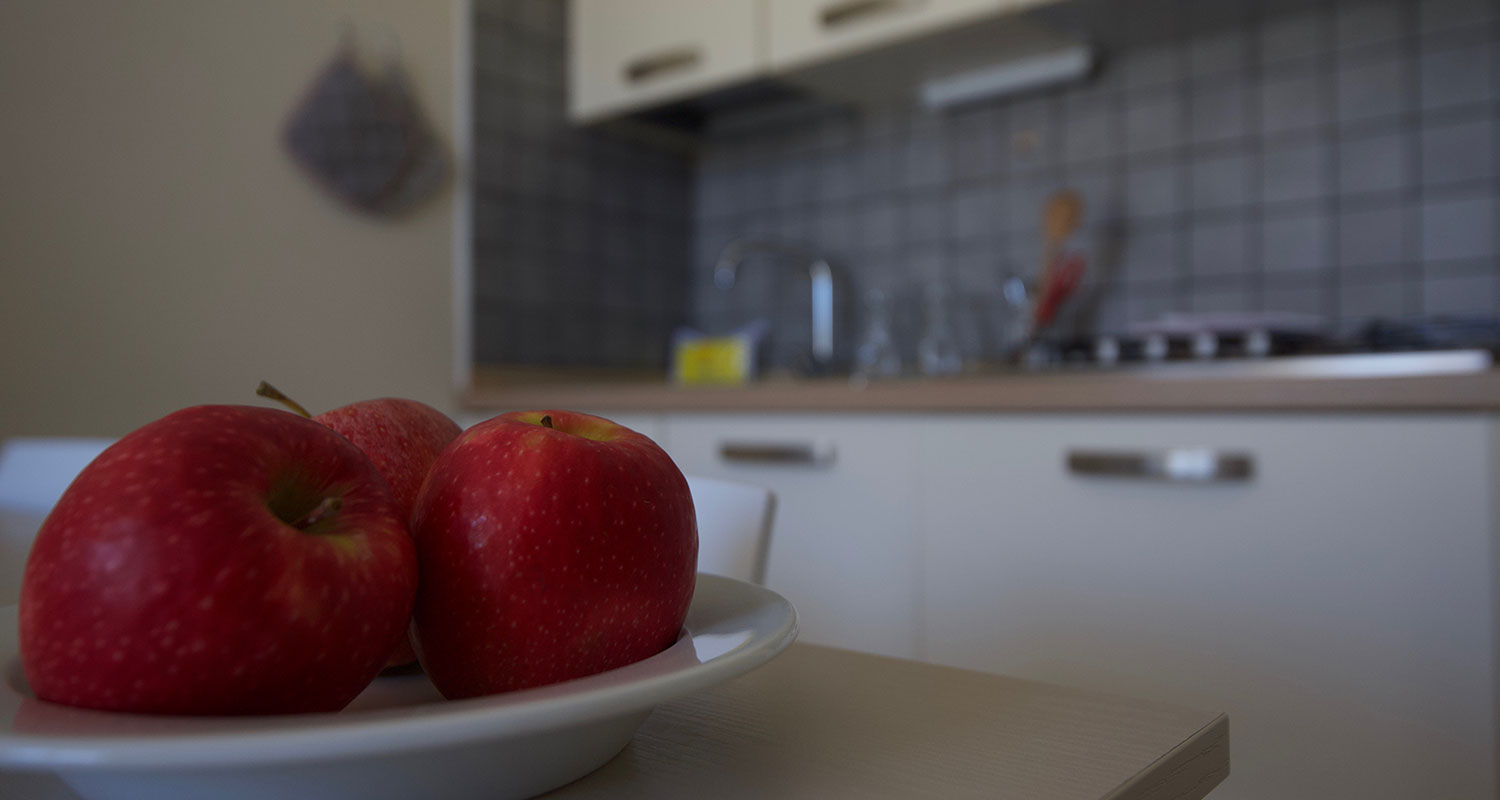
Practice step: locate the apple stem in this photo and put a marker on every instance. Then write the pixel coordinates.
(323, 510)
(267, 390)
(546, 420)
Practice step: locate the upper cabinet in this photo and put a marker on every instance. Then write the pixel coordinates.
(635, 55)
(628, 55)
(802, 32)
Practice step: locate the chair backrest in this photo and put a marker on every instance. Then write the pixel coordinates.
(35, 471)
(734, 519)
(734, 527)
(33, 475)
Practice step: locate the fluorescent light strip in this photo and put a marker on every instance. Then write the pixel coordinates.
(1010, 77)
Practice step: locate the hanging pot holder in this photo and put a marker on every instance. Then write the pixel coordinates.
(351, 135)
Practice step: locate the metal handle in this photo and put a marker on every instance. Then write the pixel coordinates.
(1181, 465)
(792, 453)
(840, 14)
(657, 64)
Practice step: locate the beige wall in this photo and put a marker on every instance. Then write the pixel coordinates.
(158, 250)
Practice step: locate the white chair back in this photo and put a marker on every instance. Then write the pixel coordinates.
(35, 471)
(33, 475)
(734, 519)
(734, 527)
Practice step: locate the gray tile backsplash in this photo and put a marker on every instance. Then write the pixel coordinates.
(1373, 89)
(1335, 157)
(1152, 190)
(1221, 248)
(1221, 181)
(1301, 34)
(1153, 125)
(1219, 112)
(1152, 255)
(1371, 298)
(1295, 170)
(1457, 152)
(1294, 101)
(1458, 76)
(1460, 294)
(1219, 55)
(581, 252)
(1461, 226)
(1295, 241)
(1375, 236)
(1375, 163)
(1443, 14)
(1367, 24)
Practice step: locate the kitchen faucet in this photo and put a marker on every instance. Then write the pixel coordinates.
(819, 272)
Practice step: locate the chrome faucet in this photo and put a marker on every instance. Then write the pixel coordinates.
(819, 272)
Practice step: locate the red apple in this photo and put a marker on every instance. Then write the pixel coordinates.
(552, 545)
(402, 438)
(220, 560)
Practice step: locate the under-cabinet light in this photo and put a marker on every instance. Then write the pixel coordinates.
(1009, 77)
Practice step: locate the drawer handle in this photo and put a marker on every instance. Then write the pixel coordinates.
(790, 453)
(1180, 465)
(656, 65)
(840, 14)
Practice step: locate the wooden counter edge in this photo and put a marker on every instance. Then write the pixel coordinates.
(1192, 769)
(1079, 393)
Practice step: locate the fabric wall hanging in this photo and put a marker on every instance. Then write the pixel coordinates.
(362, 137)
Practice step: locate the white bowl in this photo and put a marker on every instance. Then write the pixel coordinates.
(399, 739)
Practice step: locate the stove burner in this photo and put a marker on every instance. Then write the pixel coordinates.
(1182, 343)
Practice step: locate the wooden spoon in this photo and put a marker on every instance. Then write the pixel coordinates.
(1060, 217)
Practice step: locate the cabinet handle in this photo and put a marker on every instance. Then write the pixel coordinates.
(1179, 465)
(791, 453)
(840, 14)
(653, 66)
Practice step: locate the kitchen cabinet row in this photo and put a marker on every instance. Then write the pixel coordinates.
(625, 56)
(1329, 580)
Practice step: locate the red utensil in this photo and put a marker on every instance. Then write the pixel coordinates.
(1062, 279)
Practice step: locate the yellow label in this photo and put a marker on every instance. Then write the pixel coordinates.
(709, 361)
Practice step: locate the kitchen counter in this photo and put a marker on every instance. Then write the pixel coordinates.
(1165, 390)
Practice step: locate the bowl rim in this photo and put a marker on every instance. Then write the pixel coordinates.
(721, 606)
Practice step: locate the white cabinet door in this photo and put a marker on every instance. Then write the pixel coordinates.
(1339, 605)
(625, 53)
(842, 545)
(807, 31)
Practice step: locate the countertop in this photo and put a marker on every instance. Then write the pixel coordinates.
(499, 389)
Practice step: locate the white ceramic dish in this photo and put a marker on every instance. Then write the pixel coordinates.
(399, 739)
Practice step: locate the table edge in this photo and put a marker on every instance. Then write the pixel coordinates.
(1192, 769)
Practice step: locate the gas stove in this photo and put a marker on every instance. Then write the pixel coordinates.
(1267, 344)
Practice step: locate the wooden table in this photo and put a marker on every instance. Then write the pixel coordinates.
(823, 723)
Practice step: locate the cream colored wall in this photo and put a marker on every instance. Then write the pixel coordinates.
(158, 250)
